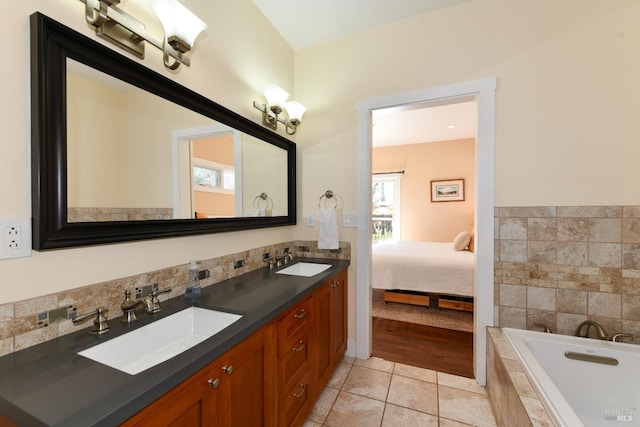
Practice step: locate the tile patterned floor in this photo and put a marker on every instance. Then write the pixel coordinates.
(378, 393)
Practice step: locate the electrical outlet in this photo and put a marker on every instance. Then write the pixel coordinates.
(349, 220)
(12, 237)
(16, 237)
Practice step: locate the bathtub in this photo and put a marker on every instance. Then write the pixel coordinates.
(581, 381)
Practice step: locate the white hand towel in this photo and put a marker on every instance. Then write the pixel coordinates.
(328, 230)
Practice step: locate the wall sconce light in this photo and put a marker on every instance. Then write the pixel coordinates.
(276, 103)
(181, 28)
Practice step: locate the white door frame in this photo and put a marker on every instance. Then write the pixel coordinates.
(484, 93)
(181, 135)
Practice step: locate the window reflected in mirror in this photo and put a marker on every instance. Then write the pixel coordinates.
(134, 156)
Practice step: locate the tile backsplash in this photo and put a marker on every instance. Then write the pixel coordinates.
(559, 266)
(30, 322)
(117, 214)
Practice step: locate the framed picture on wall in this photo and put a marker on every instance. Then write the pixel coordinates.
(451, 190)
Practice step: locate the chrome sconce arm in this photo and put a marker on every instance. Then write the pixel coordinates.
(120, 28)
(275, 106)
(271, 120)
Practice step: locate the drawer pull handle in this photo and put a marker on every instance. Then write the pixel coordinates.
(300, 314)
(228, 369)
(300, 348)
(302, 388)
(213, 383)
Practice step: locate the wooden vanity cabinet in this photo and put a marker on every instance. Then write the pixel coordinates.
(273, 378)
(330, 326)
(234, 390)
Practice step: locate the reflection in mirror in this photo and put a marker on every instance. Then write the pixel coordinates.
(158, 160)
(114, 162)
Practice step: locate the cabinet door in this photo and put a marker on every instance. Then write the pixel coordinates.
(339, 314)
(234, 390)
(322, 332)
(244, 394)
(331, 326)
(181, 407)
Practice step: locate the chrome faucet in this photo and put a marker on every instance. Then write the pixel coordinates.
(601, 334)
(583, 330)
(288, 257)
(151, 304)
(128, 307)
(100, 325)
(280, 261)
(270, 261)
(285, 259)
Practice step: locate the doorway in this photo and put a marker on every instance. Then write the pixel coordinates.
(483, 91)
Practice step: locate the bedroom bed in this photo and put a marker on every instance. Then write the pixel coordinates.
(418, 272)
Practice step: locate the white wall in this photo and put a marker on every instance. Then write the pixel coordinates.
(566, 100)
(239, 55)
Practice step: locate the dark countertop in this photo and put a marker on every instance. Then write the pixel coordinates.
(50, 385)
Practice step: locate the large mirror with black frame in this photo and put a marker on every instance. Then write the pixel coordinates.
(122, 153)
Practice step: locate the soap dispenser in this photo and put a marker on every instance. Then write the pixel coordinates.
(193, 281)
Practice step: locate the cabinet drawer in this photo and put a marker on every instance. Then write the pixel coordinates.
(292, 324)
(294, 361)
(297, 403)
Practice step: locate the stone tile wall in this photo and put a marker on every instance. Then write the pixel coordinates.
(562, 265)
(513, 398)
(117, 214)
(30, 322)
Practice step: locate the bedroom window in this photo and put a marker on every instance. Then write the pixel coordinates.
(385, 211)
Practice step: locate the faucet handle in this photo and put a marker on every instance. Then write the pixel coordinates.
(269, 260)
(545, 328)
(100, 324)
(616, 337)
(151, 301)
(156, 292)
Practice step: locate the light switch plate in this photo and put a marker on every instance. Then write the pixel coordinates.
(310, 219)
(349, 220)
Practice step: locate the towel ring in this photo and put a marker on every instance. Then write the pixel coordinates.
(327, 196)
(259, 199)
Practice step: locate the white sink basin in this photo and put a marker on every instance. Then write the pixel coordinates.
(156, 342)
(306, 269)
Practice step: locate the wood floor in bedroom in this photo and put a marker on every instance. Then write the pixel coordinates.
(439, 349)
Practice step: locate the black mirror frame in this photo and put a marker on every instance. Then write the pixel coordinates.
(51, 44)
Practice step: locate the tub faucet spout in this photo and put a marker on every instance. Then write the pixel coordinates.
(583, 330)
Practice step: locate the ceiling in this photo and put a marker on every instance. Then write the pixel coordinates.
(422, 123)
(305, 23)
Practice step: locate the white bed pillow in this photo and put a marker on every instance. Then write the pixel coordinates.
(461, 241)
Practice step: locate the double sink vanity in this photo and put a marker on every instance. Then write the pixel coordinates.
(254, 350)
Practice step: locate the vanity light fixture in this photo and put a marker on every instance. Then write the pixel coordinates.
(276, 104)
(181, 28)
